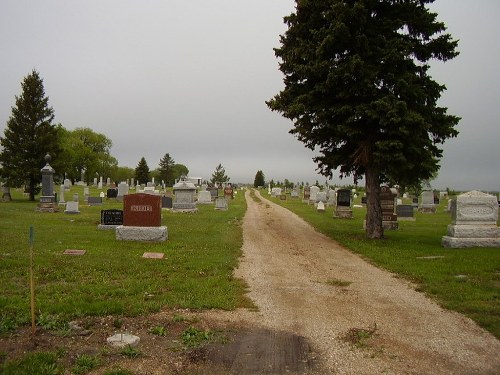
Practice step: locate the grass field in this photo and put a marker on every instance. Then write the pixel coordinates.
(112, 278)
(464, 280)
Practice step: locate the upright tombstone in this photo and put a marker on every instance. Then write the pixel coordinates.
(321, 196)
(141, 219)
(320, 207)
(94, 201)
(221, 203)
(99, 185)
(343, 209)
(405, 212)
(214, 192)
(313, 192)
(166, 202)
(427, 203)
(6, 197)
(474, 221)
(47, 199)
(204, 197)
(307, 193)
(229, 192)
(389, 218)
(123, 190)
(86, 193)
(112, 193)
(184, 197)
(67, 184)
(72, 207)
(61, 195)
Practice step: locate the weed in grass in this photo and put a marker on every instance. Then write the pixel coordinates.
(158, 331)
(52, 322)
(359, 336)
(130, 352)
(177, 318)
(118, 323)
(85, 363)
(193, 337)
(337, 282)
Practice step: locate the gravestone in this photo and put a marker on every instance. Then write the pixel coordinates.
(99, 185)
(312, 194)
(295, 192)
(112, 193)
(414, 202)
(321, 197)
(47, 199)
(204, 197)
(94, 201)
(6, 197)
(141, 219)
(320, 207)
(275, 192)
(61, 196)
(221, 203)
(214, 192)
(102, 195)
(72, 208)
(364, 200)
(283, 197)
(95, 181)
(76, 197)
(307, 193)
(389, 218)
(427, 202)
(123, 189)
(67, 184)
(108, 181)
(474, 222)
(228, 192)
(343, 209)
(110, 219)
(86, 193)
(184, 197)
(166, 202)
(331, 195)
(405, 212)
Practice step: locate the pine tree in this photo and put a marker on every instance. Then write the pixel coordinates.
(28, 137)
(166, 169)
(142, 172)
(357, 89)
(259, 179)
(219, 175)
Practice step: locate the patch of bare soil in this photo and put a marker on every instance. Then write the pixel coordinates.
(320, 310)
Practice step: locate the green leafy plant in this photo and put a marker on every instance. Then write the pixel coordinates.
(130, 351)
(85, 363)
(193, 337)
(158, 331)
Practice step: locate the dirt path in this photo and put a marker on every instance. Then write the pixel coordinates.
(287, 266)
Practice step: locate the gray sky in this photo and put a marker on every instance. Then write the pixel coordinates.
(190, 77)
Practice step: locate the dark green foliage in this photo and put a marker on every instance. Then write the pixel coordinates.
(357, 89)
(166, 171)
(28, 137)
(259, 179)
(142, 172)
(219, 175)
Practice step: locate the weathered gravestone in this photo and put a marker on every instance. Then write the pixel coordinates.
(307, 194)
(364, 200)
(320, 207)
(204, 197)
(321, 196)
(228, 192)
(72, 208)
(221, 203)
(184, 197)
(94, 201)
(427, 202)
(312, 194)
(123, 189)
(86, 193)
(389, 218)
(214, 192)
(405, 212)
(110, 219)
(6, 197)
(343, 209)
(141, 219)
(474, 222)
(61, 196)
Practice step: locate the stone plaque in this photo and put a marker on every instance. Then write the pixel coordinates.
(404, 210)
(166, 202)
(111, 217)
(112, 193)
(94, 201)
(142, 210)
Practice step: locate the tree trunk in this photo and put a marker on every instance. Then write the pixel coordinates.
(374, 227)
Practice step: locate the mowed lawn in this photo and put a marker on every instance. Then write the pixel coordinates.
(112, 278)
(464, 280)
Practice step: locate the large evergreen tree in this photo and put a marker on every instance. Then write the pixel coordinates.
(259, 179)
(357, 89)
(166, 170)
(142, 172)
(219, 175)
(28, 137)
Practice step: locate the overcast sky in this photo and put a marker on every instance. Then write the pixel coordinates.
(190, 77)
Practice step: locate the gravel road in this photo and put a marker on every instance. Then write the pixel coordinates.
(375, 323)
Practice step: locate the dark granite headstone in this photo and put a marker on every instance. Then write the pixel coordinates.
(111, 217)
(94, 201)
(166, 202)
(112, 193)
(344, 197)
(404, 210)
(364, 200)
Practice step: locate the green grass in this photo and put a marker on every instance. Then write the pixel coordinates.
(40, 363)
(404, 251)
(112, 278)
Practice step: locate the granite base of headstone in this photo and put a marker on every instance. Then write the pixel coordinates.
(474, 222)
(343, 212)
(142, 234)
(47, 204)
